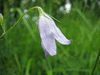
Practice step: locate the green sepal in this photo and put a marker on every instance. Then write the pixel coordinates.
(41, 12)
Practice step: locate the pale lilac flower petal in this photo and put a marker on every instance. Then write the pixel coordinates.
(48, 41)
(46, 53)
(58, 35)
(43, 27)
(49, 45)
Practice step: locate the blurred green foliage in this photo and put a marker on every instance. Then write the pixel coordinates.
(21, 52)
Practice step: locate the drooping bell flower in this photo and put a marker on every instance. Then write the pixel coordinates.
(48, 33)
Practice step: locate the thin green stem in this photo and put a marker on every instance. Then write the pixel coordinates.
(97, 59)
(28, 67)
(18, 20)
(18, 63)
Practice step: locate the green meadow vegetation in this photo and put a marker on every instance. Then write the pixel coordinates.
(21, 52)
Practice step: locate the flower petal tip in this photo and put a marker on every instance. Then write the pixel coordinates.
(46, 56)
(68, 42)
(54, 53)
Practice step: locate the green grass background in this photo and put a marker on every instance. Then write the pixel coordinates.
(21, 52)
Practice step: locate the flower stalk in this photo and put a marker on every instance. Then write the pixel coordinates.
(18, 20)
